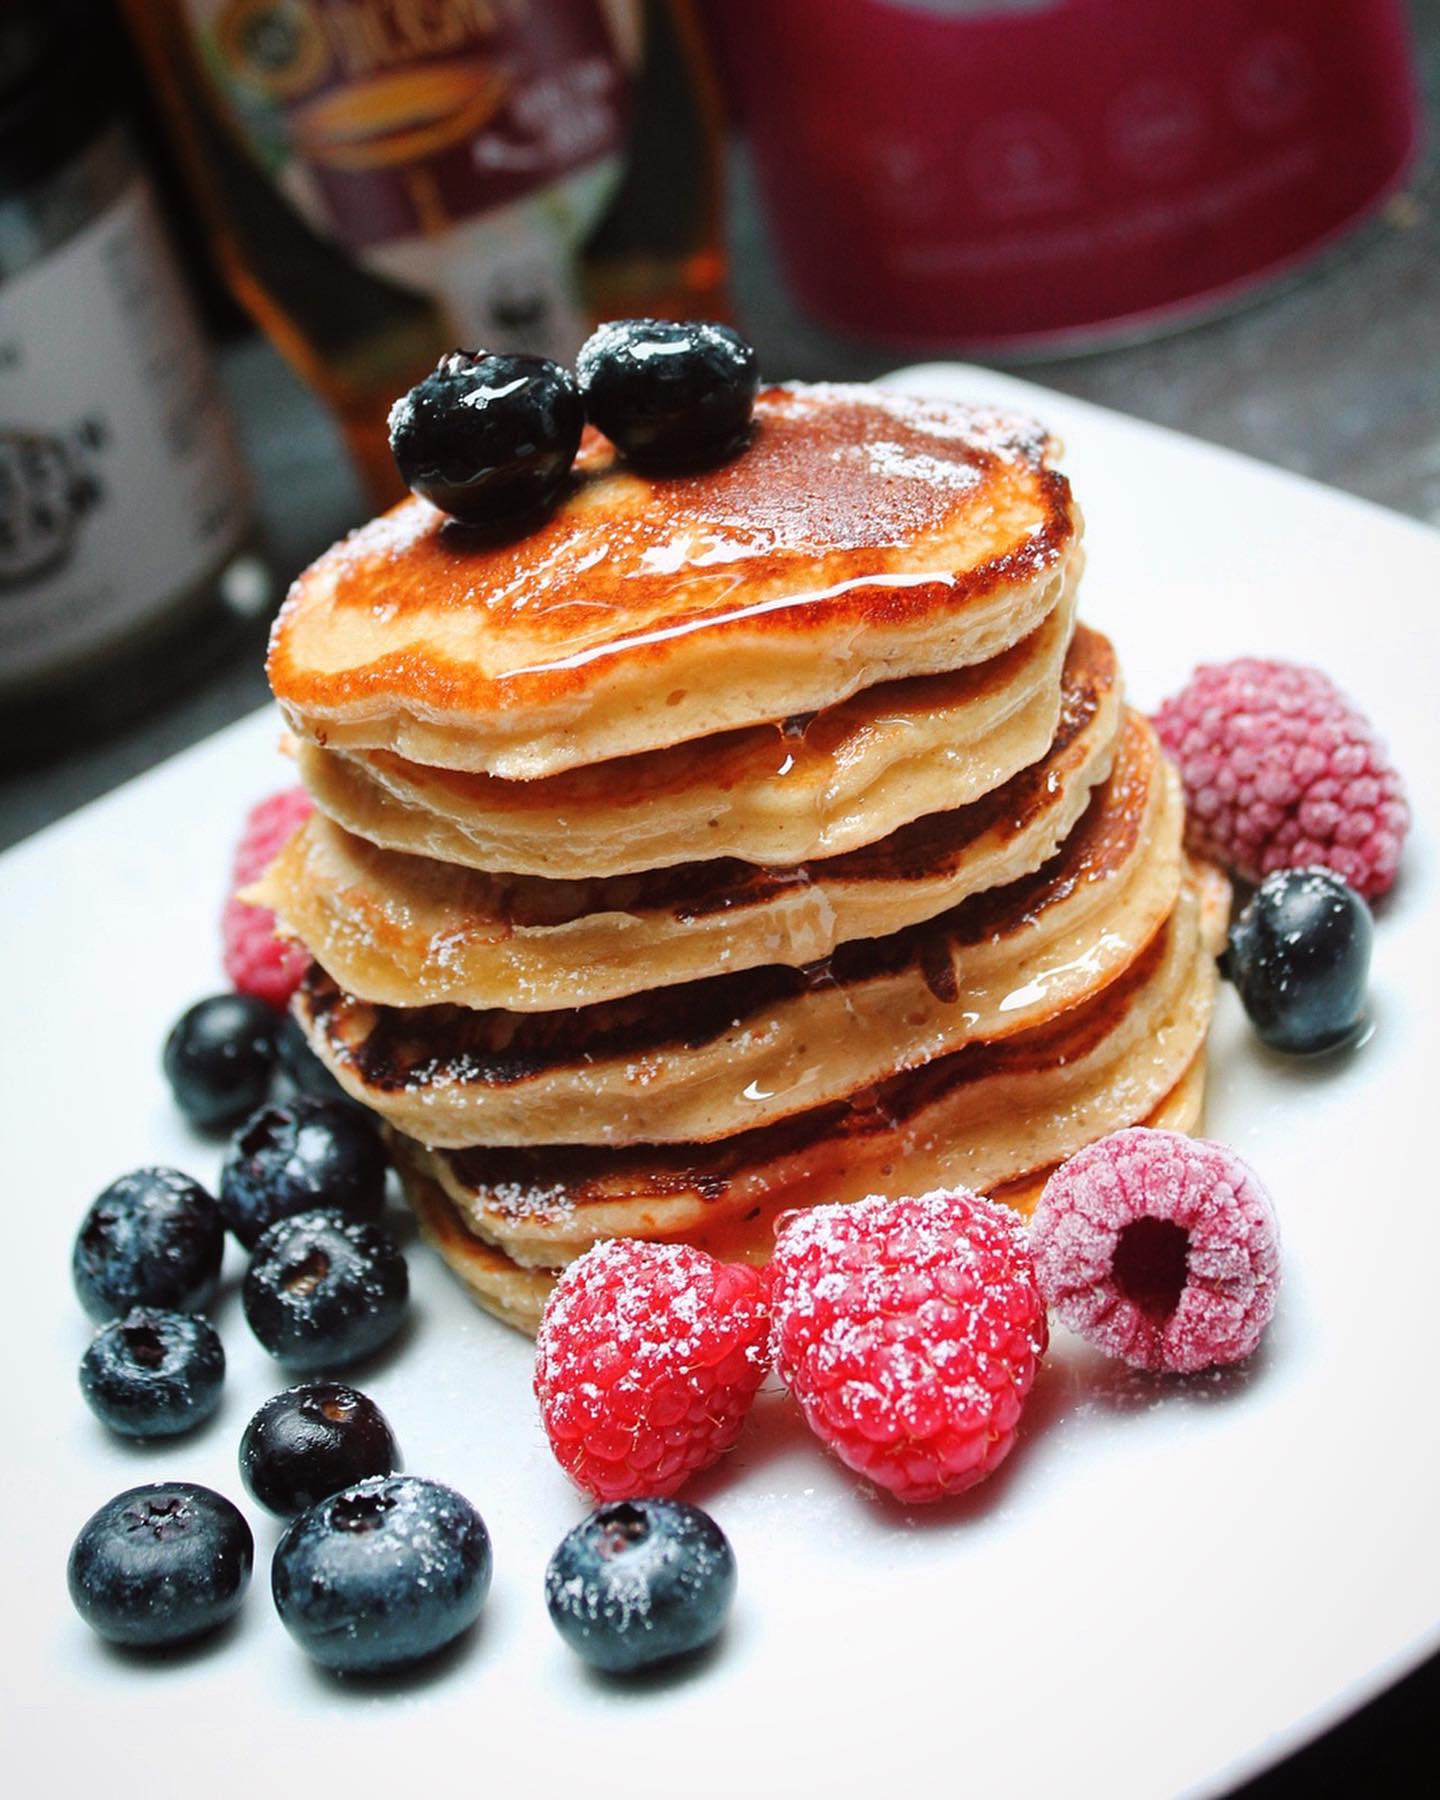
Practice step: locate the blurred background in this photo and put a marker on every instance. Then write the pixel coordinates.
(232, 231)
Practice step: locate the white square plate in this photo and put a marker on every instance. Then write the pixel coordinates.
(1168, 1586)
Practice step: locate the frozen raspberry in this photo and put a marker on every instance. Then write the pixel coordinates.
(909, 1331)
(256, 961)
(1281, 772)
(1159, 1249)
(646, 1362)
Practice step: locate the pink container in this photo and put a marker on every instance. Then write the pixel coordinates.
(951, 173)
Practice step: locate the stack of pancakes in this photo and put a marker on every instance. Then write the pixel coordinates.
(736, 841)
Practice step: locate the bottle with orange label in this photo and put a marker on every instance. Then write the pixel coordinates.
(386, 180)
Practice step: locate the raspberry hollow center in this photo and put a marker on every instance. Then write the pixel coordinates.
(1151, 1265)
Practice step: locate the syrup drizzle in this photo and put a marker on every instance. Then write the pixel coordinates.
(710, 621)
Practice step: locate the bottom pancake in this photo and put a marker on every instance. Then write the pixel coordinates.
(518, 1295)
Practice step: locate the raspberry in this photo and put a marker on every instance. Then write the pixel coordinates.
(646, 1362)
(1281, 772)
(909, 1331)
(256, 961)
(1159, 1249)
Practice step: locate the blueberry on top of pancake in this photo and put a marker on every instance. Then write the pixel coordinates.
(862, 536)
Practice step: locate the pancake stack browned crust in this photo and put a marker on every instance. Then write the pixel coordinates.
(736, 841)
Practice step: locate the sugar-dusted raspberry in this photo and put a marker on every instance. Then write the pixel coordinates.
(909, 1331)
(1281, 772)
(1159, 1249)
(256, 961)
(646, 1362)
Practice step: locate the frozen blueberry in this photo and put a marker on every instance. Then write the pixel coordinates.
(160, 1564)
(294, 1155)
(153, 1238)
(310, 1442)
(153, 1373)
(640, 1581)
(219, 1057)
(384, 1573)
(324, 1290)
(488, 439)
(1299, 956)
(670, 395)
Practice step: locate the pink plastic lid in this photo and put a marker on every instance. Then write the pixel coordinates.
(941, 173)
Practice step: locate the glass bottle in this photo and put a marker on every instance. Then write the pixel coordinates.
(387, 181)
(126, 529)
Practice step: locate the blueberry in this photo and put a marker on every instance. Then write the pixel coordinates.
(302, 1071)
(294, 1155)
(310, 1442)
(388, 1571)
(1299, 955)
(161, 1564)
(324, 1290)
(153, 1238)
(219, 1057)
(671, 396)
(489, 439)
(153, 1373)
(640, 1581)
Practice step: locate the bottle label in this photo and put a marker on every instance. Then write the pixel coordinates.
(121, 489)
(460, 148)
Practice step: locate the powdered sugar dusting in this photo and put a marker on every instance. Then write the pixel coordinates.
(1201, 1295)
(634, 1583)
(383, 1572)
(894, 462)
(909, 1331)
(647, 1359)
(990, 431)
(387, 537)
(1282, 771)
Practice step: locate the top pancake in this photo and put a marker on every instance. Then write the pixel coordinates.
(818, 785)
(861, 536)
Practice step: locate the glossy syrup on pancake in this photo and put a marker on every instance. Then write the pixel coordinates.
(517, 1292)
(908, 537)
(814, 785)
(715, 1056)
(403, 930)
(522, 1179)
(986, 1114)
(548, 1181)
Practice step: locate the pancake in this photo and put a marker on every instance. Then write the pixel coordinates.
(983, 1116)
(403, 930)
(861, 537)
(769, 794)
(517, 1294)
(712, 1058)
